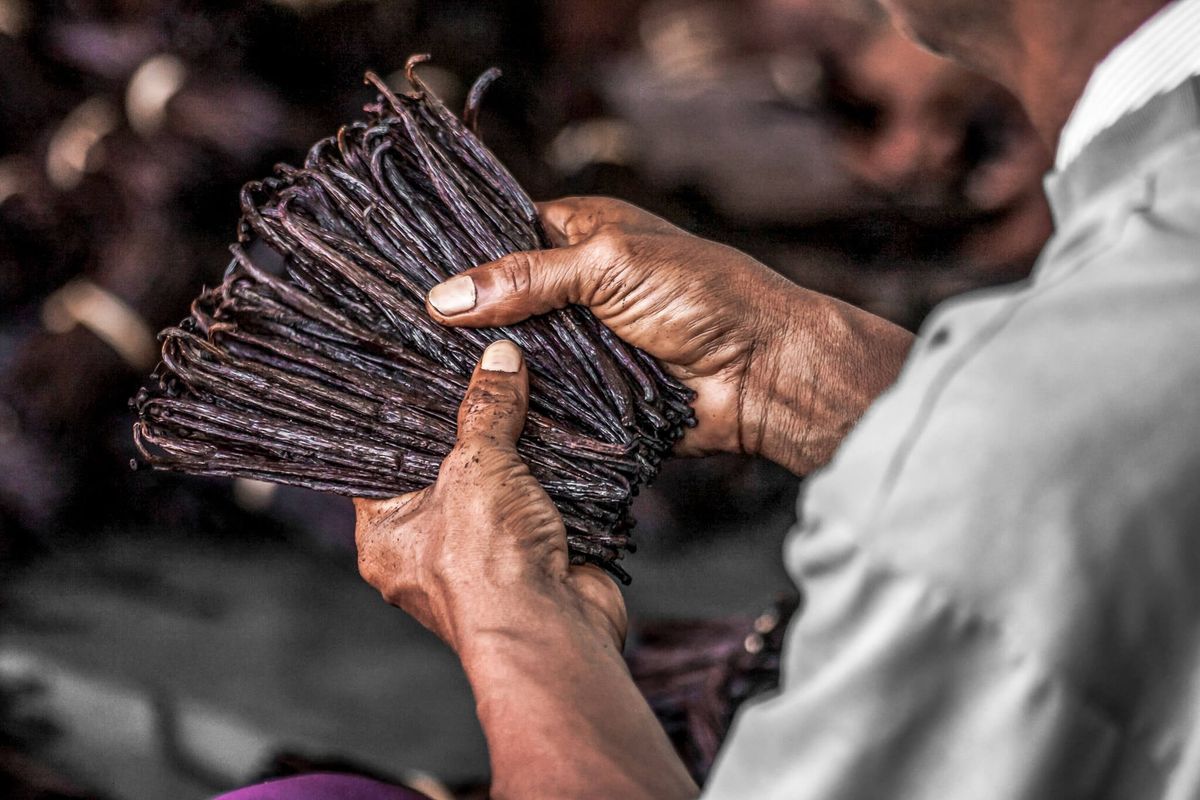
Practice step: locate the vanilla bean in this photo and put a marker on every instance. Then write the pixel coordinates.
(318, 366)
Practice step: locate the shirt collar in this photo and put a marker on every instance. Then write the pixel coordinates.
(1125, 150)
(1156, 58)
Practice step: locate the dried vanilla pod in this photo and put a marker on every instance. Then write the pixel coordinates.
(314, 362)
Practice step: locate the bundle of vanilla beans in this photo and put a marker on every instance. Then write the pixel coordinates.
(314, 363)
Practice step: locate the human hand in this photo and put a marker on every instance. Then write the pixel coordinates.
(779, 371)
(483, 550)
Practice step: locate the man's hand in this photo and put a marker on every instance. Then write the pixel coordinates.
(779, 371)
(480, 558)
(469, 555)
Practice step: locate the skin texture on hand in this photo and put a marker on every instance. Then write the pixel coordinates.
(779, 371)
(486, 527)
(480, 558)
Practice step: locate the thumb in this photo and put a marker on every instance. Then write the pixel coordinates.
(498, 397)
(515, 287)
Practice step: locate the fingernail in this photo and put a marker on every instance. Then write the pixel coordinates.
(454, 296)
(501, 356)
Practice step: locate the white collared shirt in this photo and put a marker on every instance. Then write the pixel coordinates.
(1000, 563)
(1159, 56)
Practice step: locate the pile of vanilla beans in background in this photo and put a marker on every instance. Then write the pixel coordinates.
(314, 363)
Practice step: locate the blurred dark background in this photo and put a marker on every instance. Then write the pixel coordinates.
(164, 636)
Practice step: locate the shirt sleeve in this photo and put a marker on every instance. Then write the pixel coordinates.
(895, 689)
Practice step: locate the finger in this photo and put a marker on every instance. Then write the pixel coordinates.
(571, 220)
(498, 397)
(517, 286)
(373, 519)
(367, 508)
(599, 590)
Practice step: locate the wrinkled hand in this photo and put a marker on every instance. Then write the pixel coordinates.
(759, 351)
(682, 299)
(483, 550)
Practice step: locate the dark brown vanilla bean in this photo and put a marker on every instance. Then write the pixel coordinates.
(314, 363)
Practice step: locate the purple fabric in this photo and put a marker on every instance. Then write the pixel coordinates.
(323, 787)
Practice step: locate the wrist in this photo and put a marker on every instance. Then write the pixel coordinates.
(518, 662)
(530, 620)
(562, 715)
(818, 366)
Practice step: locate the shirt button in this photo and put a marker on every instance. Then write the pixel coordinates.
(939, 338)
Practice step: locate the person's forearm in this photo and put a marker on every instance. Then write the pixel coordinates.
(809, 384)
(561, 713)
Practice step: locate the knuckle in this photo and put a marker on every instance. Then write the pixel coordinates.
(490, 393)
(617, 249)
(487, 407)
(514, 274)
(579, 217)
(610, 240)
(616, 257)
